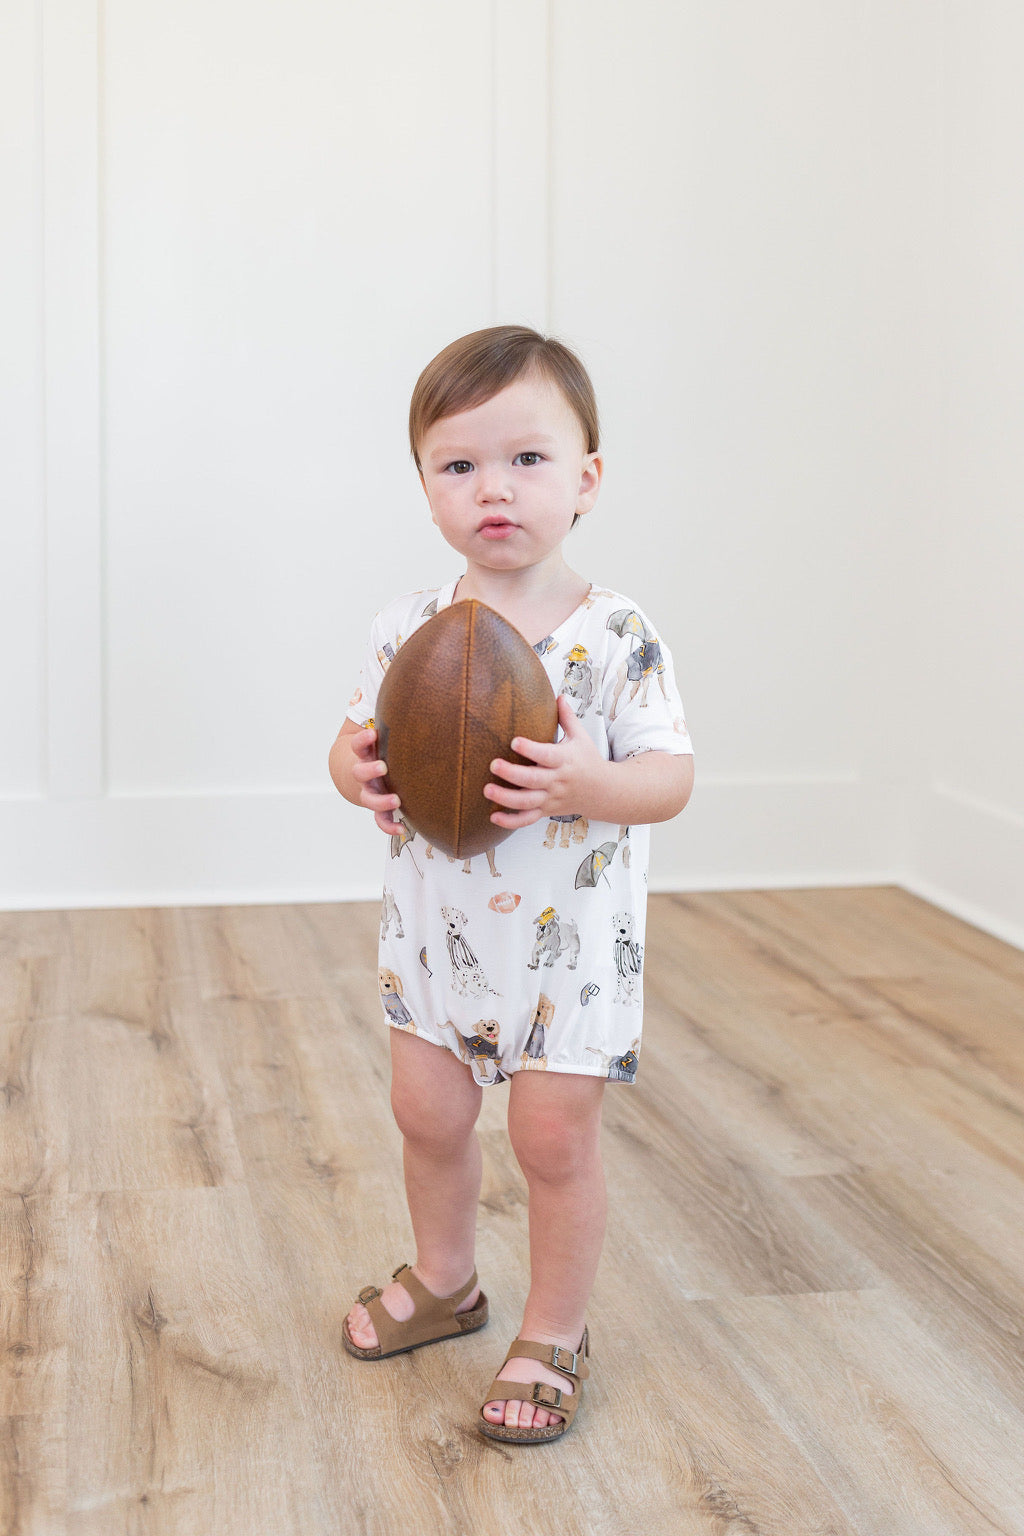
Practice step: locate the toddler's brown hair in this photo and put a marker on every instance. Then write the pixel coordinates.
(475, 368)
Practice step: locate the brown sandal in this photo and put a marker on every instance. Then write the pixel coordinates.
(566, 1363)
(434, 1319)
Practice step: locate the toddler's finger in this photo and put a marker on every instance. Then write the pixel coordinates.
(568, 719)
(378, 801)
(392, 828)
(546, 753)
(515, 799)
(520, 773)
(515, 819)
(365, 771)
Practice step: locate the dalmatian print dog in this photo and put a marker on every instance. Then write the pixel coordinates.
(629, 959)
(468, 977)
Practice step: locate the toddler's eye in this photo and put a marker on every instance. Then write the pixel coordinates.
(458, 467)
(529, 458)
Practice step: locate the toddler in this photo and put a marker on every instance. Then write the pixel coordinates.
(523, 965)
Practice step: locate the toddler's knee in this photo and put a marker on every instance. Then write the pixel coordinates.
(429, 1122)
(551, 1147)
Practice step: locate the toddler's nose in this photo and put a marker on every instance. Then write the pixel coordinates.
(494, 486)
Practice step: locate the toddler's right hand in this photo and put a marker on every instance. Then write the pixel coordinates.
(369, 771)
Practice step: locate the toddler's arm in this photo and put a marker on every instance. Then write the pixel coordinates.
(572, 778)
(358, 774)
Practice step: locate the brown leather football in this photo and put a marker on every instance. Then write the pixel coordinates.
(456, 693)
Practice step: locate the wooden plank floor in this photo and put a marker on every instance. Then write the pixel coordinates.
(808, 1319)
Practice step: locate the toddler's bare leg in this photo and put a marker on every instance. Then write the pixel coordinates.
(554, 1122)
(436, 1103)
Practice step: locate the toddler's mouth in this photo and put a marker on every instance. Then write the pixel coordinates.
(496, 528)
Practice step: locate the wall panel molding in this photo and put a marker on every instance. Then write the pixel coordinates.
(522, 162)
(74, 711)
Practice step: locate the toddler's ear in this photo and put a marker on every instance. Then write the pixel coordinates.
(590, 483)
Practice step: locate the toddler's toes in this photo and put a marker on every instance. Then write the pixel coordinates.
(361, 1331)
(515, 1414)
(505, 1413)
(395, 1299)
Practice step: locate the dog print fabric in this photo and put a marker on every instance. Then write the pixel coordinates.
(537, 947)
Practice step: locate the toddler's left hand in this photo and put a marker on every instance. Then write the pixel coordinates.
(566, 776)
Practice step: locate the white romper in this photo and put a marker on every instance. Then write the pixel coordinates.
(531, 957)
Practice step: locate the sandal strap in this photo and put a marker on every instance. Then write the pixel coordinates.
(566, 1362)
(537, 1392)
(424, 1298)
(433, 1317)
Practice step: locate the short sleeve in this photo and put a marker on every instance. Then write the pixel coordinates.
(379, 654)
(640, 700)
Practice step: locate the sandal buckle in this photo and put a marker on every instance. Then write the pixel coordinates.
(539, 1388)
(368, 1293)
(559, 1349)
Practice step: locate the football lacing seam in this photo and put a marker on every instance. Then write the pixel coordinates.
(459, 786)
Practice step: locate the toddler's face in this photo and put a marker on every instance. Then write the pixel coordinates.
(505, 479)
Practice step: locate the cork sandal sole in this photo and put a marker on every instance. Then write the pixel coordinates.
(433, 1320)
(569, 1364)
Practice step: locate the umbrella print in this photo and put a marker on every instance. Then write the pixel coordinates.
(400, 840)
(626, 621)
(594, 865)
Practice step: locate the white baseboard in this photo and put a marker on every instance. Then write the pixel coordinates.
(186, 850)
(248, 849)
(968, 858)
(198, 850)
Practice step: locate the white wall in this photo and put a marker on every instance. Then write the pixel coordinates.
(22, 593)
(969, 830)
(237, 233)
(717, 256)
